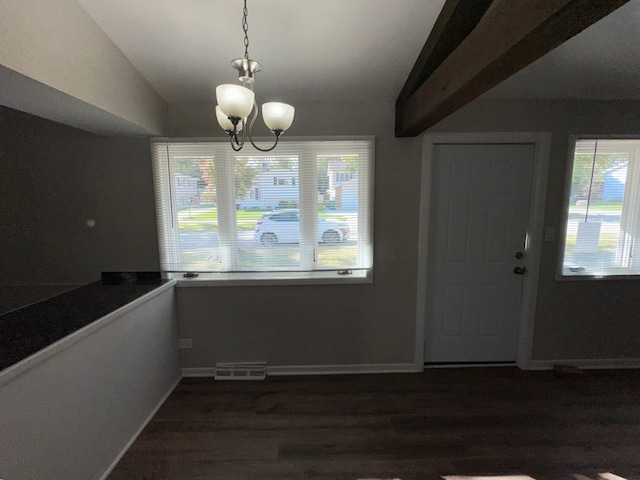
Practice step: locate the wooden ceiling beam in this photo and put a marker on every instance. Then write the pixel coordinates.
(456, 20)
(511, 35)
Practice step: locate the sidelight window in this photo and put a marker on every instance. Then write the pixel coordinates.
(603, 220)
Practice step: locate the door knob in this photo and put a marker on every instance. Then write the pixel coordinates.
(519, 270)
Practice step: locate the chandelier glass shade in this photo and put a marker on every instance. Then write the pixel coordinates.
(236, 103)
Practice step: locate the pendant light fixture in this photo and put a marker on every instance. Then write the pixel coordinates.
(236, 103)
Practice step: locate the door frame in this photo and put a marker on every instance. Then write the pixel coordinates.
(535, 227)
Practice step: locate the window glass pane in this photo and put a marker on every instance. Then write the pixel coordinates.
(267, 198)
(601, 225)
(338, 201)
(305, 208)
(196, 211)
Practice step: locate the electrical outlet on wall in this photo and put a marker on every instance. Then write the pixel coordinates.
(185, 343)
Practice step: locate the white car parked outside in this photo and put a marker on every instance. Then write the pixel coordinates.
(283, 226)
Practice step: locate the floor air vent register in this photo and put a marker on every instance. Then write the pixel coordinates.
(241, 371)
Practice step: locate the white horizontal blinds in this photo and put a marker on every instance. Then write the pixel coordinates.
(603, 221)
(189, 224)
(165, 207)
(343, 214)
(365, 205)
(304, 206)
(630, 218)
(267, 193)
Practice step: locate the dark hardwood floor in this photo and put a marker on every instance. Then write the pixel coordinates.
(473, 421)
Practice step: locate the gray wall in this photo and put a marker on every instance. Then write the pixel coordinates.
(303, 325)
(574, 319)
(59, 64)
(329, 324)
(54, 178)
(371, 324)
(70, 416)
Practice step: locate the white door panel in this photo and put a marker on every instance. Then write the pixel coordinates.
(480, 204)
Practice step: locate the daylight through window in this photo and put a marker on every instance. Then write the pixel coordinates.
(603, 223)
(303, 209)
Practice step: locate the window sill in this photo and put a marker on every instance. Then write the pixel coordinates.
(596, 277)
(251, 279)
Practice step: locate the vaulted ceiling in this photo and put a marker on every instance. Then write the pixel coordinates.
(326, 51)
(313, 51)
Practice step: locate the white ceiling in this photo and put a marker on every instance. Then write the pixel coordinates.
(324, 50)
(333, 50)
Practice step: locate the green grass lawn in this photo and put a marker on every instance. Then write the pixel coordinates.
(283, 256)
(289, 255)
(608, 243)
(602, 206)
(207, 221)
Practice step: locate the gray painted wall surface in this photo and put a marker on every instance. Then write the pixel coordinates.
(58, 45)
(54, 178)
(329, 324)
(350, 324)
(70, 416)
(574, 319)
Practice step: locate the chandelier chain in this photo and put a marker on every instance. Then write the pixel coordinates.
(277, 117)
(245, 28)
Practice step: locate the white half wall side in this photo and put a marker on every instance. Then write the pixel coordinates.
(73, 414)
(59, 64)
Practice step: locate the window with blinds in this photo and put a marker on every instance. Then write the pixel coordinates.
(603, 221)
(302, 210)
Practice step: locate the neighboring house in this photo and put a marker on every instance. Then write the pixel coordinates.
(343, 186)
(338, 174)
(614, 182)
(187, 190)
(279, 184)
(346, 195)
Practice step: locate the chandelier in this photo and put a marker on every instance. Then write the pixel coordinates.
(236, 103)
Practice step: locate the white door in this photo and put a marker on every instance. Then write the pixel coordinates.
(479, 216)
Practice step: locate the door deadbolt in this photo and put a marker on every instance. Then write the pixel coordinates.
(519, 255)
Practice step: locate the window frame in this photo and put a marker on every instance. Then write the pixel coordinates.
(301, 277)
(566, 204)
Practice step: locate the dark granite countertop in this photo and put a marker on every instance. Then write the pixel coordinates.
(28, 330)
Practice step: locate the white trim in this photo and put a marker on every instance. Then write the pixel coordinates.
(139, 431)
(564, 213)
(42, 355)
(229, 272)
(251, 279)
(285, 370)
(342, 369)
(199, 372)
(542, 142)
(587, 364)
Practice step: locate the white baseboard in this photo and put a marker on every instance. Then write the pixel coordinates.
(341, 369)
(601, 363)
(199, 372)
(282, 370)
(139, 431)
